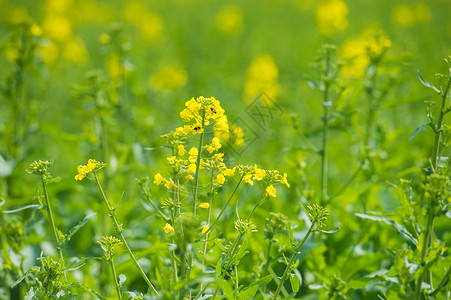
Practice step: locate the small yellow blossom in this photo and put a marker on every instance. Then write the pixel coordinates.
(191, 168)
(159, 179)
(271, 191)
(171, 160)
(170, 184)
(215, 145)
(190, 177)
(205, 205)
(182, 131)
(219, 156)
(220, 179)
(36, 30)
(284, 180)
(83, 170)
(247, 179)
(168, 228)
(181, 149)
(229, 172)
(205, 228)
(193, 151)
(104, 38)
(259, 173)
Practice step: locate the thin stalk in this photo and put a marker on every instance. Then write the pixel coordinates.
(236, 278)
(442, 282)
(52, 224)
(257, 203)
(118, 228)
(147, 196)
(290, 263)
(277, 280)
(118, 289)
(325, 144)
(204, 248)
(223, 209)
(429, 233)
(268, 257)
(199, 156)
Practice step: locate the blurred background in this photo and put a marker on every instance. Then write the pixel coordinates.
(104, 79)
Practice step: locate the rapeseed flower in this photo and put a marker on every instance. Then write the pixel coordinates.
(205, 205)
(168, 228)
(271, 191)
(89, 167)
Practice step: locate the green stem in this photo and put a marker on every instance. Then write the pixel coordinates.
(147, 196)
(118, 289)
(199, 156)
(429, 233)
(223, 209)
(324, 150)
(52, 224)
(290, 263)
(118, 228)
(257, 203)
(204, 249)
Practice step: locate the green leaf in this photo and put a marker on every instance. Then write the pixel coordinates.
(53, 180)
(79, 225)
(294, 280)
(262, 281)
(225, 286)
(418, 130)
(241, 253)
(448, 214)
(37, 206)
(401, 230)
(248, 293)
(426, 83)
(219, 267)
(329, 231)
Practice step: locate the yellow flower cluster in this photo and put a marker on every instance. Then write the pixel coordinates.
(331, 17)
(272, 177)
(89, 167)
(205, 109)
(229, 20)
(359, 52)
(167, 183)
(262, 75)
(215, 145)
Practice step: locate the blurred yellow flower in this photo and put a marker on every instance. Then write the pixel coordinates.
(168, 78)
(159, 179)
(331, 17)
(171, 160)
(408, 16)
(205, 205)
(284, 180)
(262, 76)
(150, 24)
(205, 228)
(104, 38)
(75, 51)
(230, 20)
(59, 6)
(259, 173)
(247, 179)
(354, 53)
(215, 145)
(168, 228)
(191, 168)
(170, 184)
(16, 14)
(36, 30)
(189, 177)
(57, 27)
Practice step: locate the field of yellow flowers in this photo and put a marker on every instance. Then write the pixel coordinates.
(195, 149)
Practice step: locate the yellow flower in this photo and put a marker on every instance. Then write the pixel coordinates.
(190, 177)
(193, 105)
(229, 20)
(229, 172)
(168, 228)
(205, 205)
(197, 128)
(219, 156)
(205, 228)
(171, 160)
(79, 176)
(181, 149)
(36, 30)
(182, 131)
(104, 38)
(220, 179)
(170, 184)
(331, 17)
(83, 170)
(284, 180)
(259, 173)
(247, 179)
(191, 168)
(159, 179)
(193, 154)
(262, 75)
(271, 191)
